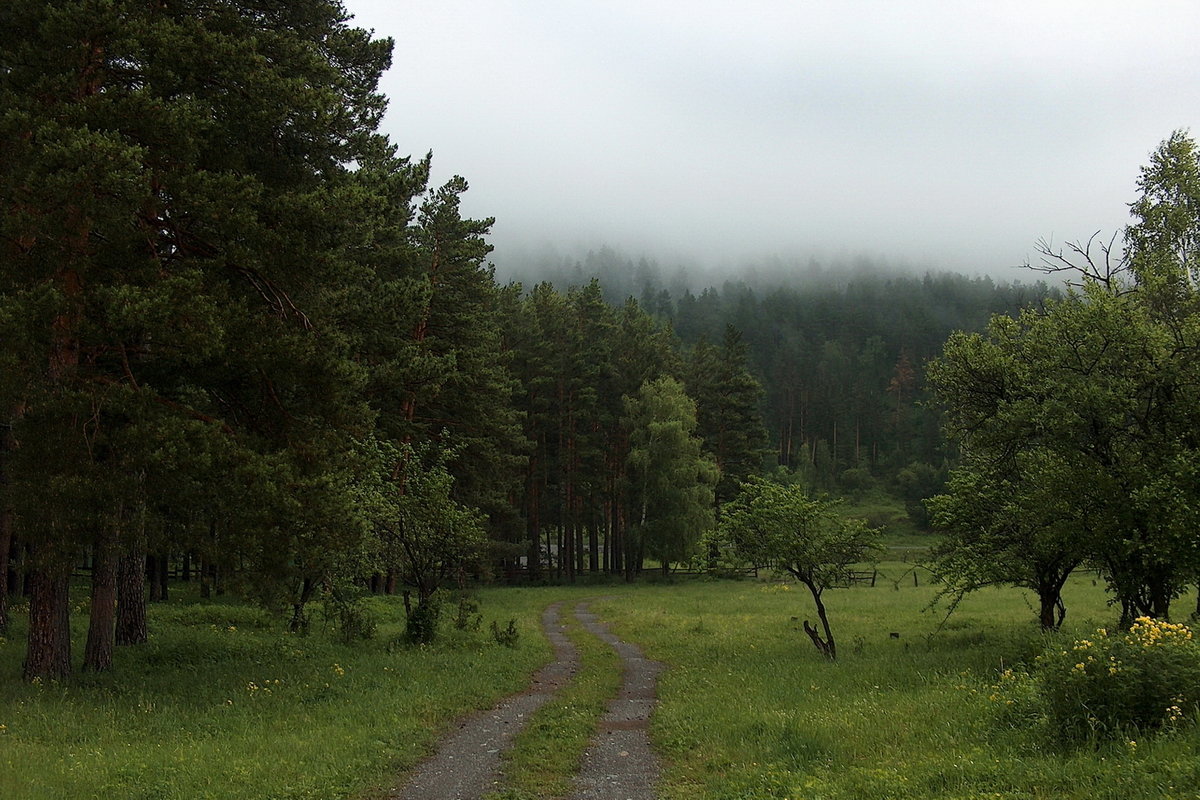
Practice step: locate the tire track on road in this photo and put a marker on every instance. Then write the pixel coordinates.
(619, 764)
(467, 762)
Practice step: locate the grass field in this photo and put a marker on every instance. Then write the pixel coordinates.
(222, 704)
(749, 710)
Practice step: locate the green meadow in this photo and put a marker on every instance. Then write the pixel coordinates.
(222, 704)
(749, 710)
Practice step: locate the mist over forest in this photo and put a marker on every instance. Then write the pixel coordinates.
(630, 272)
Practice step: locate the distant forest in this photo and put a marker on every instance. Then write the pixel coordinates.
(839, 353)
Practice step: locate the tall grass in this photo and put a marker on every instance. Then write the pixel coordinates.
(221, 703)
(750, 710)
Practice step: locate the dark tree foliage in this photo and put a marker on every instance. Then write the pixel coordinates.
(1079, 420)
(728, 419)
(177, 194)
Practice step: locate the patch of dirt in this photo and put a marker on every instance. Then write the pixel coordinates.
(467, 761)
(619, 763)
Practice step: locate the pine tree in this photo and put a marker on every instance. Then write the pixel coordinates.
(168, 179)
(727, 399)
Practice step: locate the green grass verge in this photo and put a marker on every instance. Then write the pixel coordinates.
(546, 755)
(222, 704)
(749, 710)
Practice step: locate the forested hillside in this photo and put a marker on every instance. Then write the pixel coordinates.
(247, 343)
(840, 355)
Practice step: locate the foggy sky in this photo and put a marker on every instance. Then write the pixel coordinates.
(946, 135)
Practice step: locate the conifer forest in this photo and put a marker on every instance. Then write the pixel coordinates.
(251, 349)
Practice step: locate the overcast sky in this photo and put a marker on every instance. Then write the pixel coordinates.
(947, 135)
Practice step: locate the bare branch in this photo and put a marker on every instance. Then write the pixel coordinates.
(1109, 267)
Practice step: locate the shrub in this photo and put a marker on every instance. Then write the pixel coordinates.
(1109, 685)
(468, 617)
(354, 621)
(508, 636)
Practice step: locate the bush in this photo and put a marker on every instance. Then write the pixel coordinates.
(508, 636)
(856, 481)
(355, 622)
(421, 623)
(1110, 685)
(468, 617)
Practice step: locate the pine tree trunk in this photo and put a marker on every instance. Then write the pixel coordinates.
(6, 527)
(593, 547)
(533, 555)
(6, 543)
(580, 555)
(98, 651)
(18, 585)
(131, 595)
(154, 576)
(164, 576)
(48, 652)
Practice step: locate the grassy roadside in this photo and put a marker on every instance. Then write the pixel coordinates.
(748, 710)
(545, 756)
(221, 703)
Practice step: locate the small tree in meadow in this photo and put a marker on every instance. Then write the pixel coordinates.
(425, 535)
(773, 525)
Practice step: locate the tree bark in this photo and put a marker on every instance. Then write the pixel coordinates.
(5, 547)
(593, 547)
(1047, 607)
(131, 596)
(6, 525)
(164, 576)
(826, 646)
(154, 576)
(98, 651)
(1052, 610)
(48, 653)
(299, 622)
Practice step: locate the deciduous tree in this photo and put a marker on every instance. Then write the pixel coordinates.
(783, 527)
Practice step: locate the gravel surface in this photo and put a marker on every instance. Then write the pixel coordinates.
(618, 763)
(467, 761)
